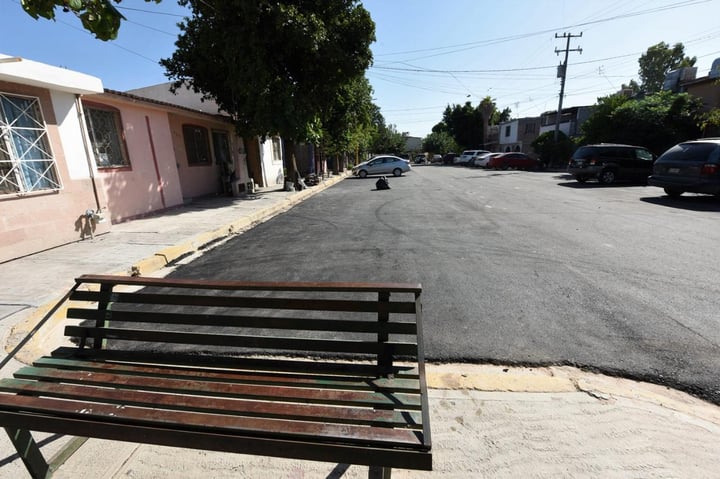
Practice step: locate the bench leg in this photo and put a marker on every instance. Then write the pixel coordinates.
(379, 472)
(29, 452)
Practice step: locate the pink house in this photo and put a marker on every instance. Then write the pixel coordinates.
(75, 158)
(153, 155)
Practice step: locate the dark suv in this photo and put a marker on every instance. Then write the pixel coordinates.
(692, 166)
(609, 163)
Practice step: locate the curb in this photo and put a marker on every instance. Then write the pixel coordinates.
(564, 380)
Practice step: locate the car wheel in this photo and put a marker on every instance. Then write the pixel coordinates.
(673, 193)
(397, 172)
(362, 174)
(606, 177)
(505, 166)
(581, 179)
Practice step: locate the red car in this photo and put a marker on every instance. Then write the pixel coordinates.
(518, 161)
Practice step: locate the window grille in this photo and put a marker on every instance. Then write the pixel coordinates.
(104, 129)
(197, 146)
(26, 162)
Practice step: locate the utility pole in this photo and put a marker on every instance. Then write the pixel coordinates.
(562, 71)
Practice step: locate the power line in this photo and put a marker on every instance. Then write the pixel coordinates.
(470, 45)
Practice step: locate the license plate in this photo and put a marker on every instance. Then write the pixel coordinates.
(673, 170)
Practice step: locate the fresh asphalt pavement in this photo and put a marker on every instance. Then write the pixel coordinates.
(488, 420)
(517, 267)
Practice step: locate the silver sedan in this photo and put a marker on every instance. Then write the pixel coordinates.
(382, 165)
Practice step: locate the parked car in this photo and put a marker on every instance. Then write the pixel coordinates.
(692, 166)
(481, 161)
(420, 159)
(467, 155)
(436, 158)
(519, 161)
(609, 163)
(382, 165)
(449, 158)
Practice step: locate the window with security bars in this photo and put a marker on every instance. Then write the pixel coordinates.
(197, 145)
(26, 162)
(104, 128)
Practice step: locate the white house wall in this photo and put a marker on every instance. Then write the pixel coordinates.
(272, 165)
(67, 117)
(512, 138)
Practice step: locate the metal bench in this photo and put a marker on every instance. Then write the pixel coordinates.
(317, 371)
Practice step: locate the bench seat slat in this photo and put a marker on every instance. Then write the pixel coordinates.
(305, 412)
(408, 458)
(230, 340)
(246, 302)
(395, 327)
(353, 369)
(384, 399)
(245, 377)
(214, 422)
(254, 285)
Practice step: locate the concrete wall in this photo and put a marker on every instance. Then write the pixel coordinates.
(272, 164)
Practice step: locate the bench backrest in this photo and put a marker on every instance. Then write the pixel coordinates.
(355, 320)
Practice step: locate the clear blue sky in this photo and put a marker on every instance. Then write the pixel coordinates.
(428, 53)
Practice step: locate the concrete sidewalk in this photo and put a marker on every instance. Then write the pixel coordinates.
(487, 421)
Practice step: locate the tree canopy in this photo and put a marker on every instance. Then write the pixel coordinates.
(466, 124)
(97, 16)
(273, 66)
(656, 122)
(348, 124)
(657, 61)
(439, 142)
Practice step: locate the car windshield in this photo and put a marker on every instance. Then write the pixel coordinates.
(693, 152)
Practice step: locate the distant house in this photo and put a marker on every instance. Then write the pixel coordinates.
(413, 144)
(493, 138)
(570, 120)
(517, 135)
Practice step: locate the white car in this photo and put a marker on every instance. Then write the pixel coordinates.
(467, 155)
(382, 165)
(481, 161)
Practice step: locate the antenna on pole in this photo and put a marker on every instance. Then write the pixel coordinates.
(561, 73)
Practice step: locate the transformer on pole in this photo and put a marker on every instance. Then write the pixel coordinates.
(561, 73)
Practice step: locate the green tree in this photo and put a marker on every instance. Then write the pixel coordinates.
(386, 139)
(657, 121)
(97, 16)
(464, 123)
(657, 61)
(551, 152)
(599, 127)
(439, 142)
(710, 123)
(275, 66)
(347, 125)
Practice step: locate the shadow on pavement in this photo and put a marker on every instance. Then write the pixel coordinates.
(691, 203)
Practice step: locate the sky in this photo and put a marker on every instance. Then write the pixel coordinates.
(428, 54)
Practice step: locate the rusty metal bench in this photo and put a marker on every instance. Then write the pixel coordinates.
(317, 371)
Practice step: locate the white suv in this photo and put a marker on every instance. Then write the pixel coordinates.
(468, 155)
